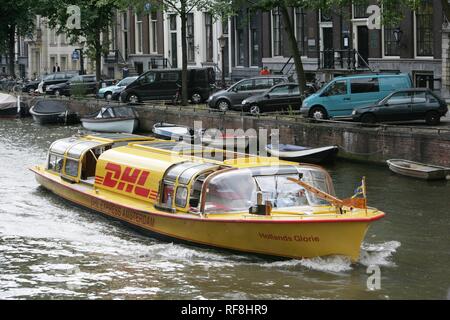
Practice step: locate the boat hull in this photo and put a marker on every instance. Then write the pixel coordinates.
(112, 125)
(418, 170)
(299, 238)
(316, 155)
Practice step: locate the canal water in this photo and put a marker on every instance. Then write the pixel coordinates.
(50, 249)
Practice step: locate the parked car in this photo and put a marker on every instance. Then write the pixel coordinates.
(344, 94)
(32, 85)
(55, 78)
(232, 97)
(85, 84)
(113, 92)
(163, 85)
(278, 98)
(404, 105)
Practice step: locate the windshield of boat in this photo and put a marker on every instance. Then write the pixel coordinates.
(124, 112)
(236, 191)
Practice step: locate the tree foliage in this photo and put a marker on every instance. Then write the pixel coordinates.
(95, 20)
(16, 18)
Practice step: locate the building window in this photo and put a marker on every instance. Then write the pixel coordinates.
(63, 60)
(424, 28)
(190, 38)
(52, 37)
(300, 29)
(277, 32)
(63, 38)
(173, 22)
(153, 32)
(138, 34)
(225, 27)
(391, 46)
(360, 10)
(240, 39)
(209, 37)
(254, 41)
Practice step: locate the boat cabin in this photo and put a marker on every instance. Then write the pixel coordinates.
(178, 177)
(75, 159)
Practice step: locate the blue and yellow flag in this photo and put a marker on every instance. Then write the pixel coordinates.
(361, 190)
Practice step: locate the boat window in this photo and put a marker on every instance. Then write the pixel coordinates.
(231, 192)
(181, 197)
(281, 192)
(55, 163)
(236, 191)
(167, 195)
(196, 191)
(71, 168)
(123, 112)
(106, 113)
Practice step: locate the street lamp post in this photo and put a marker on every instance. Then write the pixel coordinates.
(223, 42)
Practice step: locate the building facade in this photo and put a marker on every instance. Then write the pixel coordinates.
(326, 41)
(331, 43)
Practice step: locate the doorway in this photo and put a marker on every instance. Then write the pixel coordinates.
(328, 54)
(363, 46)
(174, 57)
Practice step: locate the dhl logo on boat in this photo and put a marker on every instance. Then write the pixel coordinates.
(127, 179)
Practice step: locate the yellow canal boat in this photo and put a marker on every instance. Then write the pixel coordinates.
(207, 196)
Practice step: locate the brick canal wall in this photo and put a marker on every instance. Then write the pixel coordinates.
(373, 144)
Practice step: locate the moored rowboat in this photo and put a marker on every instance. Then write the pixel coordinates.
(112, 119)
(418, 170)
(186, 194)
(303, 154)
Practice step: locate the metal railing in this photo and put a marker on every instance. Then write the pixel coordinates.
(349, 59)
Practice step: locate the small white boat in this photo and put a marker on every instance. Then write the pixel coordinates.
(226, 141)
(123, 119)
(169, 131)
(418, 170)
(303, 154)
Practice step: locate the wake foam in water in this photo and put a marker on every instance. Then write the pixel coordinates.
(371, 254)
(378, 254)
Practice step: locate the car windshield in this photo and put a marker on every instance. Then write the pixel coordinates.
(125, 82)
(224, 195)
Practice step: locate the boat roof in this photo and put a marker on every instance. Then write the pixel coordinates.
(116, 137)
(180, 151)
(75, 147)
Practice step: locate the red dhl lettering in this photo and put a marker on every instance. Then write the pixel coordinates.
(130, 180)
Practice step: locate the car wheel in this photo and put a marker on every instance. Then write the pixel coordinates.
(318, 113)
(108, 96)
(223, 105)
(133, 98)
(31, 91)
(432, 118)
(368, 118)
(254, 109)
(196, 98)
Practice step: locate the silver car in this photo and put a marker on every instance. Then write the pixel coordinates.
(232, 97)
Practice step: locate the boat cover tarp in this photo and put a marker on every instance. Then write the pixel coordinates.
(49, 106)
(7, 101)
